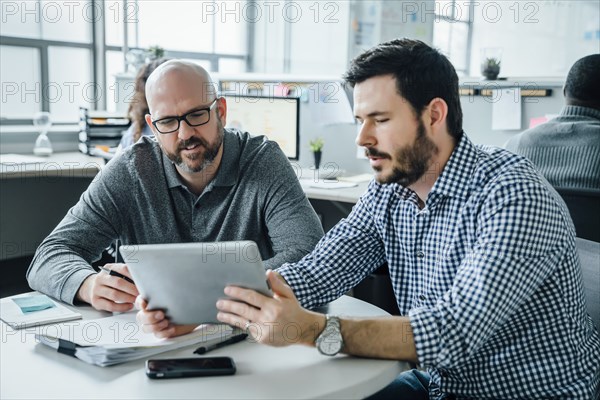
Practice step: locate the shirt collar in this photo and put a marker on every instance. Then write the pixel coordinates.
(578, 111)
(455, 180)
(226, 175)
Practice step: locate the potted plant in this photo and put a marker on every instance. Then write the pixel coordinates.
(154, 53)
(490, 68)
(316, 146)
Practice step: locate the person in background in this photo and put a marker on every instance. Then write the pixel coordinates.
(481, 253)
(566, 149)
(195, 181)
(138, 108)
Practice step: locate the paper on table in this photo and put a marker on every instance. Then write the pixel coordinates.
(20, 159)
(13, 316)
(506, 109)
(122, 331)
(118, 339)
(331, 184)
(357, 178)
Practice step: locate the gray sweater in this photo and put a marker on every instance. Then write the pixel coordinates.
(566, 149)
(138, 198)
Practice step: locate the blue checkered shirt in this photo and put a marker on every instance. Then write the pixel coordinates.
(487, 272)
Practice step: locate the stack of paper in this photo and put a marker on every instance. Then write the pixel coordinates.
(118, 339)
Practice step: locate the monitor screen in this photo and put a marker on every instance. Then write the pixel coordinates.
(276, 117)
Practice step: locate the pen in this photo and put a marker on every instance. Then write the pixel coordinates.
(117, 274)
(231, 340)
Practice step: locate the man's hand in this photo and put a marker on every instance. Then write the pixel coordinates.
(107, 292)
(277, 321)
(154, 321)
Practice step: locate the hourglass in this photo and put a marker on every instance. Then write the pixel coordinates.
(42, 147)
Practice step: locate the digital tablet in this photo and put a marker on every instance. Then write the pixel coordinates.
(186, 279)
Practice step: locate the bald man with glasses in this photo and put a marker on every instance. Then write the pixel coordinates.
(194, 181)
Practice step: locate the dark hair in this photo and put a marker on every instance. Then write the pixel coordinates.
(422, 73)
(138, 108)
(583, 82)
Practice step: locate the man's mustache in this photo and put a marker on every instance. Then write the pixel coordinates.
(190, 142)
(373, 152)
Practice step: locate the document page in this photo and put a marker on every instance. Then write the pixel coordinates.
(506, 109)
(122, 331)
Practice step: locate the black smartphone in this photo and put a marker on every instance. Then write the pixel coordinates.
(186, 367)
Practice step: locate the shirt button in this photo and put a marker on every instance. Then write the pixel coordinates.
(443, 373)
(422, 297)
(420, 254)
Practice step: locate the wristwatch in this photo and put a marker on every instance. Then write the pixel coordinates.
(330, 341)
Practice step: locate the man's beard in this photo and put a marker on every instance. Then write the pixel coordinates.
(206, 158)
(410, 162)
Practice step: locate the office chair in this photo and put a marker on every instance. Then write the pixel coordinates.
(589, 255)
(584, 207)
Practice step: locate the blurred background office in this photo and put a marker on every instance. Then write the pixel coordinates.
(77, 60)
(57, 56)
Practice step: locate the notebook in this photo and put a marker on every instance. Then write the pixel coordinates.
(13, 315)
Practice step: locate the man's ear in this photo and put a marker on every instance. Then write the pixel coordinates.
(438, 112)
(222, 110)
(149, 122)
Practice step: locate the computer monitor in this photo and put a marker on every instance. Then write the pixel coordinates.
(276, 117)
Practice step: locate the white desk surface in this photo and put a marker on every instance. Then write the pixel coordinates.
(31, 370)
(70, 165)
(345, 195)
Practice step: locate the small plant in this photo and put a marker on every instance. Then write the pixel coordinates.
(492, 63)
(155, 52)
(490, 68)
(316, 145)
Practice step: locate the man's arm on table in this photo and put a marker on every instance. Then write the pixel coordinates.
(383, 337)
(62, 267)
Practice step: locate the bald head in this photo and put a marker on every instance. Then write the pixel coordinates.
(178, 80)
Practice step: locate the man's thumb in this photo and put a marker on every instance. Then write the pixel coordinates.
(278, 285)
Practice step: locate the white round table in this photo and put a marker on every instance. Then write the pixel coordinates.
(32, 370)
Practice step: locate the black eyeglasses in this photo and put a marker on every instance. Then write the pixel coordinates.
(197, 117)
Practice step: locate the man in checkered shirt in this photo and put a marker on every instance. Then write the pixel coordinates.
(481, 253)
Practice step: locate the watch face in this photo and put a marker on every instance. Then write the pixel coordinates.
(330, 345)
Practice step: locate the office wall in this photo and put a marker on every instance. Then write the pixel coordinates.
(478, 110)
(536, 38)
(340, 147)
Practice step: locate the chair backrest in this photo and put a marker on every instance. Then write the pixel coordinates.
(584, 207)
(589, 255)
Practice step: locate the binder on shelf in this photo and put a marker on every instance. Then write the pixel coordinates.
(100, 129)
